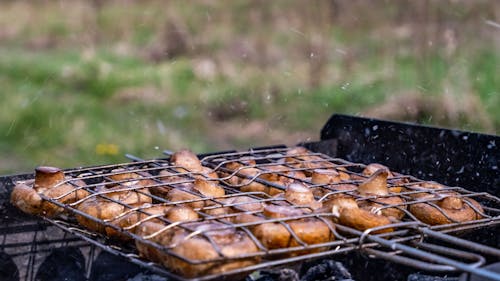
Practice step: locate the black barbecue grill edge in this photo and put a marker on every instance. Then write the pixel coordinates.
(452, 157)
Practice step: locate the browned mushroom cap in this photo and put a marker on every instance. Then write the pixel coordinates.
(110, 204)
(348, 213)
(376, 184)
(161, 232)
(171, 180)
(325, 176)
(127, 220)
(450, 208)
(186, 194)
(187, 160)
(208, 188)
(374, 167)
(377, 204)
(301, 157)
(275, 235)
(249, 184)
(131, 195)
(175, 179)
(199, 192)
(245, 203)
(232, 207)
(99, 211)
(299, 194)
(337, 191)
(277, 212)
(181, 213)
(127, 178)
(235, 167)
(329, 176)
(370, 169)
(130, 220)
(427, 189)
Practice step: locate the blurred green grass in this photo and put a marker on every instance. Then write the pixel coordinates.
(71, 105)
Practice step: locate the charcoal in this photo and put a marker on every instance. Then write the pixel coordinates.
(422, 277)
(285, 274)
(110, 267)
(62, 264)
(8, 269)
(147, 277)
(325, 270)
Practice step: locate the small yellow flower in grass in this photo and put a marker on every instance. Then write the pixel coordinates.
(106, 149)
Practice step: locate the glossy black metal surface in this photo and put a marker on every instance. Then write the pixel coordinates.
(452, 157)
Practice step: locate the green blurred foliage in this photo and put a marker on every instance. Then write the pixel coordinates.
(83, 83)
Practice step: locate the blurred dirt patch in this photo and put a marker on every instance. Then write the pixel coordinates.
(229, 109)
(247, 134)
(145, 95)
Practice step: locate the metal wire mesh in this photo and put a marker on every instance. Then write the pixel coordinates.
(243, 183)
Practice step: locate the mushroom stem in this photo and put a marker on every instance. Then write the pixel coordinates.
(46, 177)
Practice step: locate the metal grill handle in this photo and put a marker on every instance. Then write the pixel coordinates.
(432, 253)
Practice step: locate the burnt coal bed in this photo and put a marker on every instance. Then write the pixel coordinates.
(32, 249)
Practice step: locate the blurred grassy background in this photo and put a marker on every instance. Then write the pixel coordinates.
(83, 82)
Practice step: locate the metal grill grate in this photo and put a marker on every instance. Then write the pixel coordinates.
(270, 170)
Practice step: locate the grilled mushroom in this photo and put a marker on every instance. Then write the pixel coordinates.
(330, 179)
(329, 176)
(348, 213)
(197, 248)
(232, 207)
(171, 180)
(187, 161)
(201, 189)
(300, 157)
(376, 185)
(149, 214)
(443, 207)
(109, 203)
(160, 231)
(300, 195)
(249, 184)
(274, 235)
(52, 183)
(127, 220)
(374, 167)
